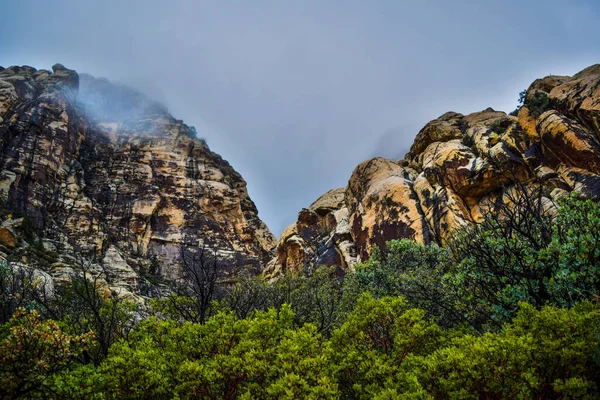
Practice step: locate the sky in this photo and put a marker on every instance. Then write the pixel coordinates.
(294, 94)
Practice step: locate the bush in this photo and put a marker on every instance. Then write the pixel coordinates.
(32, 352)
(538, 104)
(314, 299)
(526, 256)
(410, 270)
(546, 354)
(369, 349)
(261, 357)
(503, 312)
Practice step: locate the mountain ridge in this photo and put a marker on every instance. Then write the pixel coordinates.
(104, 176)
(458, 167)
(96, 172)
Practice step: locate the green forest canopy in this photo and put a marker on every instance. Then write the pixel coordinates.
(507, 309)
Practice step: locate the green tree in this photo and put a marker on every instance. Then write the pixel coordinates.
(411, 270)
(543, 354)
(525, 253)
(87, 304)
(32, 352)
(226, 358)
(369, 349)
(314, 298)
(22, 286)
(574, 252)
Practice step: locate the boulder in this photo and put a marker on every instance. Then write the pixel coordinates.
(383, 206)
(7, 238)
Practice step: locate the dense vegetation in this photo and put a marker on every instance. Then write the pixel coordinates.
(506, 309)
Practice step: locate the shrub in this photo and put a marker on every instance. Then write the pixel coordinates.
(410, 270)
(543, 354)
(523, 254)
(370, 348)
(538, 104)
(32, 352)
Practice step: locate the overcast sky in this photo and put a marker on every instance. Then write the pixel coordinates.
(294, 94)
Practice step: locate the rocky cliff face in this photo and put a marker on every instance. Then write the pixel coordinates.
(457, 167)
(96, 173)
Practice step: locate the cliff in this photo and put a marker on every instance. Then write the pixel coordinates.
(95, 173)
(458, 167)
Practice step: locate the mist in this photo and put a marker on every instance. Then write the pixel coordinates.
(295, 94)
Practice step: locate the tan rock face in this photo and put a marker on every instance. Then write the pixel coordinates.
(580, 96)
(382, 204)
(7, 238)
(443, 129)
(568, 142)
(321, 236)
(460, 166)
(106, 173)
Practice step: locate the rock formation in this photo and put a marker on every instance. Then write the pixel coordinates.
(457, 166)
(96, 174)
(93, 172)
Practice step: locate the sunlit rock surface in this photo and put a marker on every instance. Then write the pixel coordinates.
(321, 236)
(458, 167)
(111, 179)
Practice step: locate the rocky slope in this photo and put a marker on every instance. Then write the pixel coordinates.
(94, 173)
(457, 167)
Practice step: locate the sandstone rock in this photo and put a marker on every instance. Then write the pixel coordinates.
(39, 279)
(460, 167)
(568, 142)
(383, 205)
(7, 238)
(456, 166)
(548, 83)
(321, 236)
(582, 181)
(443, 209)
(446, 127)
(331, 200)
(580, 96)
(528, 123)
(104, 171)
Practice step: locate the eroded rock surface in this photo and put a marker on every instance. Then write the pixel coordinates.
(459, 166)
(321, 236)
(105, 174)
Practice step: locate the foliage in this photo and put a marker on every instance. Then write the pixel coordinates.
(201, 273)
(370, 348)
(500, 126)
(524, 254)
(85, 305)
(521, 101)
(541, 354)
(574, 252)
(409, 270)
(508, 309)
(522, 97)
(32, 351)
(538, 103)
(314, 299)
(261, 357)
(385, 349)
(19, 287)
